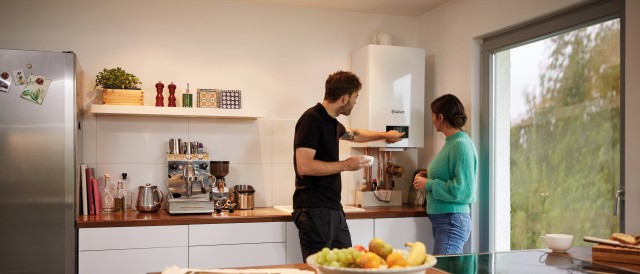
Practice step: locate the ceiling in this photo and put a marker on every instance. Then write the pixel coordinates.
(389, 7)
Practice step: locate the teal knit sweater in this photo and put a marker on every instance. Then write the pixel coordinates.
(452, 176)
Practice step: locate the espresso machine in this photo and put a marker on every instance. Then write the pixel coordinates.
(189, 181)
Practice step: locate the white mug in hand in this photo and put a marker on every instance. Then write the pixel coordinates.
(558, 243)
(368, 158)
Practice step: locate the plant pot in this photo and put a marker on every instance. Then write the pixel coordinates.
(134, 97)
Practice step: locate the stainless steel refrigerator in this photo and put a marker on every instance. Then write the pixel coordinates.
(40, 150)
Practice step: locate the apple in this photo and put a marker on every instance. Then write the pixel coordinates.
(360, 248)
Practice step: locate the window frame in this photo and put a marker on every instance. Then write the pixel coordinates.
(572, 18)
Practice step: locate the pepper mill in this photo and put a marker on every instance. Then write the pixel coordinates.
(159, 97)
(172, 95)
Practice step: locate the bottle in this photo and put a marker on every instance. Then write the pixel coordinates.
(127, 197)
(108, 196)
(374, 185)
(119, 199)
(363, 184)
(187, 98)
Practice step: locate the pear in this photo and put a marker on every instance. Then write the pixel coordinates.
(380, 247)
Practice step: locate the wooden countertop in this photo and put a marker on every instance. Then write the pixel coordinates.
(262, 214)
(585, 253)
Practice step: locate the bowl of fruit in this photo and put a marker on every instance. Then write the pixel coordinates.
(380, 258)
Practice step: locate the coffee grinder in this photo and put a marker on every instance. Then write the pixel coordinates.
(219, 191)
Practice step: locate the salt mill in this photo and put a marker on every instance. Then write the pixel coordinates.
(159, 97)
(172, 95)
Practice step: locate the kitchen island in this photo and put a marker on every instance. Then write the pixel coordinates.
(576, 260)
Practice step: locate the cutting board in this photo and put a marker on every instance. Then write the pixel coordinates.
(601, 252)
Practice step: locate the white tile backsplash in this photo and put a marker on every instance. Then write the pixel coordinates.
(89, 137)
(283, 183)
(283, 135)
(234, 140)
(258, 176)
(136, 139)
(138, 145)
(260, 152)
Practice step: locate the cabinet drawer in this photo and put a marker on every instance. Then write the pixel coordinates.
(132, 237)
(245, 255)
(398, 231)
(133, 261)
(237, 233)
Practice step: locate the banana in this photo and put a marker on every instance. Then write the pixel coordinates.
(417, 253)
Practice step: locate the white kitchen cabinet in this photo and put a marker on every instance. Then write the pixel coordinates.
(205, 246)
(294, 255)
(398, 231)
(240, 255)
(361, 233)
(131, 249)
(131, 261)
(237, 244)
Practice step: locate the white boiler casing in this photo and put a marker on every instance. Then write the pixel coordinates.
(392, 94)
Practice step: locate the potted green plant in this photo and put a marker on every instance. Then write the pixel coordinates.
(119, 87)
(117, 78)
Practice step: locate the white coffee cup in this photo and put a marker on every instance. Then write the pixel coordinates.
(368, 158)
(558, 243)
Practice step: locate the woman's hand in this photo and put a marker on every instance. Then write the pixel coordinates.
(419, 181)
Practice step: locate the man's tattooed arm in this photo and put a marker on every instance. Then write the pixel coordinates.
(349, 135)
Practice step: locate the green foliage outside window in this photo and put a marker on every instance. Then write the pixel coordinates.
(565, 157)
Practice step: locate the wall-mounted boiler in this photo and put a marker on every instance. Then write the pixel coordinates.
(392, 94)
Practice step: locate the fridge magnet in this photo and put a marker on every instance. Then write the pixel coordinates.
(4, 85)
(36, 89)
(5, 82)
(18, 77)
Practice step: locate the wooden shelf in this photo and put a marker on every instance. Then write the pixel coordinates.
(98, 109)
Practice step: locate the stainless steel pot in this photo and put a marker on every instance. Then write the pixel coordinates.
(243, 196)
(149, 198)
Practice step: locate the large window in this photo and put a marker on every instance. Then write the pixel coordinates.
(553, 142)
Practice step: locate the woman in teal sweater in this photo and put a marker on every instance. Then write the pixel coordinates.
(450, 181)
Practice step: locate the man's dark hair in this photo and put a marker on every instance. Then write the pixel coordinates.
(341, 83)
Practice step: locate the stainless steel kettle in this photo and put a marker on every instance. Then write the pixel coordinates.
(149, 198)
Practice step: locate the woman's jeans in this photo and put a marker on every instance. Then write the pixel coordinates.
(450, 232)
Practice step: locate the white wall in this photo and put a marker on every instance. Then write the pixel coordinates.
(278, 56)
(632, 126)
(450, 34)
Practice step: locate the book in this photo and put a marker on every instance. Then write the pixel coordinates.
(90, 191)
(96, 196)
(83, 190)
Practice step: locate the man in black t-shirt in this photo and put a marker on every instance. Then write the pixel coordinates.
(316, 201)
